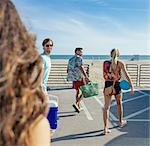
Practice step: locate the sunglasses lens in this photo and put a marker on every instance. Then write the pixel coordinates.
(49, 45)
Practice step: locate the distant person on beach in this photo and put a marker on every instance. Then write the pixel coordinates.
(47, 47)
(23, 106)
(112, 75)
(78, 75)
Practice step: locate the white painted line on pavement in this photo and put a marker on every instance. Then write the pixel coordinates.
(139, 120)
(130, 99)
(100, 97)
(112, 117)
(136, 113)
(142, 92)
(88, 115)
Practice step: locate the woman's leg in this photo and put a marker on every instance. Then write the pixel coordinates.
(118, 97)
(119, 106)
(78, 97)
(107, 100)
(120, 110)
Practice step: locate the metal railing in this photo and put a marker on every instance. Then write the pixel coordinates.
(140, 74)
(58, 76)
(133, 72)
(144, 75)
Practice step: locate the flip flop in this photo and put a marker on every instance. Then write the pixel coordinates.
(106, 131)
(76, 108)
(81, 109)
(124, 122)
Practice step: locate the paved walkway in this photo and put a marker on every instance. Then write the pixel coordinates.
(85, 128)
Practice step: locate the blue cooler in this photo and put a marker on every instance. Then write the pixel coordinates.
(52, 115)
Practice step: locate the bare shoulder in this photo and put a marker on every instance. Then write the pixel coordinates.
(40, 132)
(121, 63)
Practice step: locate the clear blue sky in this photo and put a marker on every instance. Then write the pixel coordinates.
(96, 25)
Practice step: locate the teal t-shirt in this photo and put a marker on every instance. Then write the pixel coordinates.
(46, 70)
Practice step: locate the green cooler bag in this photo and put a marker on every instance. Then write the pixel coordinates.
(90, 89)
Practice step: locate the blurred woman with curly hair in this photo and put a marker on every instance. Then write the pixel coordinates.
(23, 106)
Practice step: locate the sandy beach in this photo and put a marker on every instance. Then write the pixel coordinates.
(96, 68)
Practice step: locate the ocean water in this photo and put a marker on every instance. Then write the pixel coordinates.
(104, 57)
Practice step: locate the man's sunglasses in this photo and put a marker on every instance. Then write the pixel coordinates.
(49, 45)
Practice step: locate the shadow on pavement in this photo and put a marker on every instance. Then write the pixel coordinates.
(80, 135)
(135, 133)
(70, 112)
(68, 115)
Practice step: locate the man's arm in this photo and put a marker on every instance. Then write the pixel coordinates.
(79, 64)
(84, 73)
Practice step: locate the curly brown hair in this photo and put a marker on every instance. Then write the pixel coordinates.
(21, 97)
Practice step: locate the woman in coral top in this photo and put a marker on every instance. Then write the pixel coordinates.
(112, 74)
